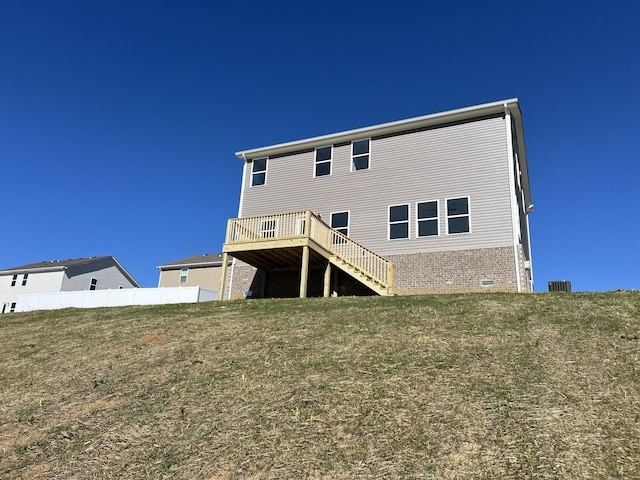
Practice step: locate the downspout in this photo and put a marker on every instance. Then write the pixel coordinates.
(530, 209)
(244, 177)
(515, 216)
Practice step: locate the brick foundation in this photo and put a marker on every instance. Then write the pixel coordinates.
(427, 272)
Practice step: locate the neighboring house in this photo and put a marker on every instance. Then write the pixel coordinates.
(93, 273)
(200, 270)
(437, 203)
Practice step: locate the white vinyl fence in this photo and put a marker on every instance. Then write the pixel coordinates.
(113, 298)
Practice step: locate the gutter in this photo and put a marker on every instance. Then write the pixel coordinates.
(381, 129)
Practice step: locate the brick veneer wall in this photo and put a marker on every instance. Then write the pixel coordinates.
(427, 272)
(454, 271)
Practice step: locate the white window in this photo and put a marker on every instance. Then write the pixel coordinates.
(427, 219)
(398, 221)
(323, 161)
(269, 228)
(94, 284)
(184, 273)
(458, 215)
(259, 171)
(340, 222)
(360, 154)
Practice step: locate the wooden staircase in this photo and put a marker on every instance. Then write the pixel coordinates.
(274, 242)
(362, 276)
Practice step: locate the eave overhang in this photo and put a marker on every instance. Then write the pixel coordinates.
(432, 120)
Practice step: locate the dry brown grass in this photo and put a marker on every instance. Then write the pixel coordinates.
(447, 386)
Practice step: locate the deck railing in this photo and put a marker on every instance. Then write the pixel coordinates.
(305, 224)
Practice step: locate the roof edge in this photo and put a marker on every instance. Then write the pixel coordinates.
(383, 128)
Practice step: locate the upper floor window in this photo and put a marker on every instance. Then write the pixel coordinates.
(24, 279)
(428, 219)
(360, 153)
(458, 215)
(94, 284)
(184, 273)
(14, 280)
(323, 161)
(269, 228)
(340, 222)
(398, 221)
(259, 171)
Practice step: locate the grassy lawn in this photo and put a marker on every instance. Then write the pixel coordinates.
(483, 386)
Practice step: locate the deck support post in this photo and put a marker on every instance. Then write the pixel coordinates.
(223, 277)
(327, 280)
(304, 272)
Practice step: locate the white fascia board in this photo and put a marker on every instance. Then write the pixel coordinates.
(522, 157)
(33, 270)
(217, 263)
(126, 274)
(384, 129)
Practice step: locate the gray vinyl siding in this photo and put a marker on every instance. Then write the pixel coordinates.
(105, 271)
(461, 160)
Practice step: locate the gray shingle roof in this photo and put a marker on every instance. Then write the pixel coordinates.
(53, 264)
(203, 260)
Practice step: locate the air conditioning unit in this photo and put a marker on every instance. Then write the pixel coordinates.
(560, 286)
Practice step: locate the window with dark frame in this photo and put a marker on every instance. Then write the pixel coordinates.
(398, 221)
(259, 172)
(340, 222)
(458, 215)
(323, 161)
(427, 218)
(12, 308)
(24, 279)
(360, 153)
(14, 280)
(94, 284)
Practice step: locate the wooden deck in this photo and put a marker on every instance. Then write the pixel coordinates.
(301, 240)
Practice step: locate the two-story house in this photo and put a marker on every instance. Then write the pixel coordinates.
(93, 273)
(437, 203)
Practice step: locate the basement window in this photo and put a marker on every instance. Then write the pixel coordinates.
(398, 221)
(259, 172)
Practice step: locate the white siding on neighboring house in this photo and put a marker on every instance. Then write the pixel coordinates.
(36, 282)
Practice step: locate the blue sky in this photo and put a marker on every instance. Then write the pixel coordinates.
(119, 119)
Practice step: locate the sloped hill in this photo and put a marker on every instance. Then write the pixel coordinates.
(448, 386)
